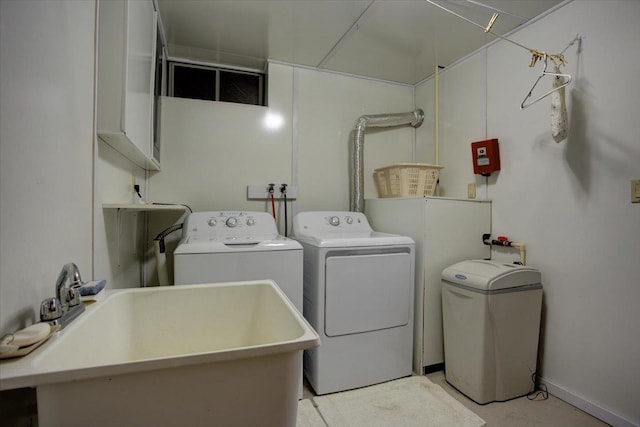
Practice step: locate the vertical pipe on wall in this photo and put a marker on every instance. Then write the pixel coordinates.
(486, 114)
(436, 119)
(414, 140)
(295, 136)
(95, 202)
(436, 109)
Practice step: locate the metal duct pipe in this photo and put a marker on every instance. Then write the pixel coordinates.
(356, 149)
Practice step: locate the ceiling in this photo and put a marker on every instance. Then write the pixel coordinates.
(395, 40)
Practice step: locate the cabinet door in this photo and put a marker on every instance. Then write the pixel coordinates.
(141, 27)
(126, 59)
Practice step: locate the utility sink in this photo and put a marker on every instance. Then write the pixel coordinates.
(216, 354)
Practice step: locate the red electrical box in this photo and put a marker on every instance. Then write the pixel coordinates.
(486, 157)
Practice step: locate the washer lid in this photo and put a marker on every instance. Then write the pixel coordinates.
(491, 275)
(218, 244)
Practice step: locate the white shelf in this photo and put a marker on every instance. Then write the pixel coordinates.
(143, 207)
(119, 142)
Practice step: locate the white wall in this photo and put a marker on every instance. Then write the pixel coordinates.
(119, 236)
(46, 150)
(212, 150)
(327, 107)
(425, 134)
(569, 202)
(54, 174)
(462, 121)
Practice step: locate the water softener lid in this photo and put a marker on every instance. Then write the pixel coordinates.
(491, 275)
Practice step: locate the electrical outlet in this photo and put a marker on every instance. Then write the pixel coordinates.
(261, 191)
(471, 190)
(635, 191)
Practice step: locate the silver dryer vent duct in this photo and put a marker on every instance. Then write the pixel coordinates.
(356, 149)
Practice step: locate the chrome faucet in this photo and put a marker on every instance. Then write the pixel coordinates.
(65, 295)
(66, 305)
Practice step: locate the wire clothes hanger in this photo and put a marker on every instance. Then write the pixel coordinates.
(557, 59)
(545, 73)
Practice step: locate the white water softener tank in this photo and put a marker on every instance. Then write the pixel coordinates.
(491, 321)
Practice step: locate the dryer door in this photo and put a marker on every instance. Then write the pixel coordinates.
(367, 292)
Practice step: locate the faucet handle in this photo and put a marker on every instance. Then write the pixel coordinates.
(50, 309)
(73, 296)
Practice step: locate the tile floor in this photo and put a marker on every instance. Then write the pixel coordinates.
(520, 412)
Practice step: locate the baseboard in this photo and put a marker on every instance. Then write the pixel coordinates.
(433, 368)
(588, 407)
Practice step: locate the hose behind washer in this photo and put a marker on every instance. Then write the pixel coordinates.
(161, 258)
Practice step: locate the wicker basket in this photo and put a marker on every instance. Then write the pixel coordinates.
(406, 180)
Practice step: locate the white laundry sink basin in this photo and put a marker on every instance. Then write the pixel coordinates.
(188, 355)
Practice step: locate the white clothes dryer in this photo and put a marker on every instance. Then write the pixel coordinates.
(358, 296)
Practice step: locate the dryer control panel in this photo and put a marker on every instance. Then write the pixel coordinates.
(313, 223)
(229, 223)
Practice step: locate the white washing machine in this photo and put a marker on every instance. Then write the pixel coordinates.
(231, 246)
(358, 296)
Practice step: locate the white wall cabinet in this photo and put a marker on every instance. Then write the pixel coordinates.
(126, 69)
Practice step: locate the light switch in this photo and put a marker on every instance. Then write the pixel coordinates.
(635, 191)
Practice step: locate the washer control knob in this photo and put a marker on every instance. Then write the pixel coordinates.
(251, 222)
(349, 220)
(231, 222)
(212, 222)
(334, 220)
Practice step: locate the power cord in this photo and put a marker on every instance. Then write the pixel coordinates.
(283, 191)
(271, 190)
(136, 188)
(539, 392)
(171, 204)
(160, 237)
